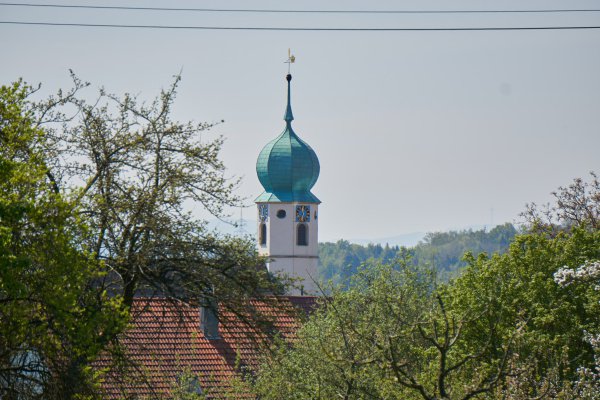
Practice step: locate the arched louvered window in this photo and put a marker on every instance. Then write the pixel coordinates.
(302, 235)
(262, 236)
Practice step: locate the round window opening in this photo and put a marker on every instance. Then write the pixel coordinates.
(281, 214)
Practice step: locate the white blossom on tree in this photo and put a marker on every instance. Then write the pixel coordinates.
(586, 273)
(588, 384)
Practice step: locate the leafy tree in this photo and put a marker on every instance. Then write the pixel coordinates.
(94, 209)
(51, 325)
(520, 286)
(510, 326)
(331, 358)
(390, 335)
(135, 173)
(587, 385)
(575, 205)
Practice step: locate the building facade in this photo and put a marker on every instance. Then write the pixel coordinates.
(288, 226)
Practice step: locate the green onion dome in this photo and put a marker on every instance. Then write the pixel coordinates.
(287, 167)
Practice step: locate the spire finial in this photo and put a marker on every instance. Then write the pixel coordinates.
(289, 117)
(290, 60)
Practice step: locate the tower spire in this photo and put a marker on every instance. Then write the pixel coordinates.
(289, 117)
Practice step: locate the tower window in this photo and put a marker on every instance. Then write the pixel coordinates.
(262, 235)
(263, 212)
(302, 235)
(281, 214)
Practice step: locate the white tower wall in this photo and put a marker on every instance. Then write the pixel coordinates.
(286, 256)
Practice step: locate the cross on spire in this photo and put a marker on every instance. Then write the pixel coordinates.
(290, 60)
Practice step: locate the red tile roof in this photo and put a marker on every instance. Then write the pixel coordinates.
(165, 340)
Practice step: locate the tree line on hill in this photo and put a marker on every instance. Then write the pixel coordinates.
(442, 251)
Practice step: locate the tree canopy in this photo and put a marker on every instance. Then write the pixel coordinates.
(133, 172)
(51, 325)
(96, 201)
(519, 325)
(504, 329)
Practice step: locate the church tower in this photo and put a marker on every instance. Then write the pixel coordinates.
(288, 168)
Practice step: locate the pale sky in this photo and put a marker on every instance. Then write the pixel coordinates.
(415, 131)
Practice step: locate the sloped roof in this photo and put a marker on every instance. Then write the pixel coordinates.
(165, 340)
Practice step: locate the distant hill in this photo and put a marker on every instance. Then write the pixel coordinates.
(441, 250)
(406, 240)
(411, 239)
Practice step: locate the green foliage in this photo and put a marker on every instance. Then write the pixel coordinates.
(390, 335)
(337, 353)
(520, 289)
(503, 329)
(51, 325)
(339, 261)
(442, 251)
(135, 173)
(94, 200)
